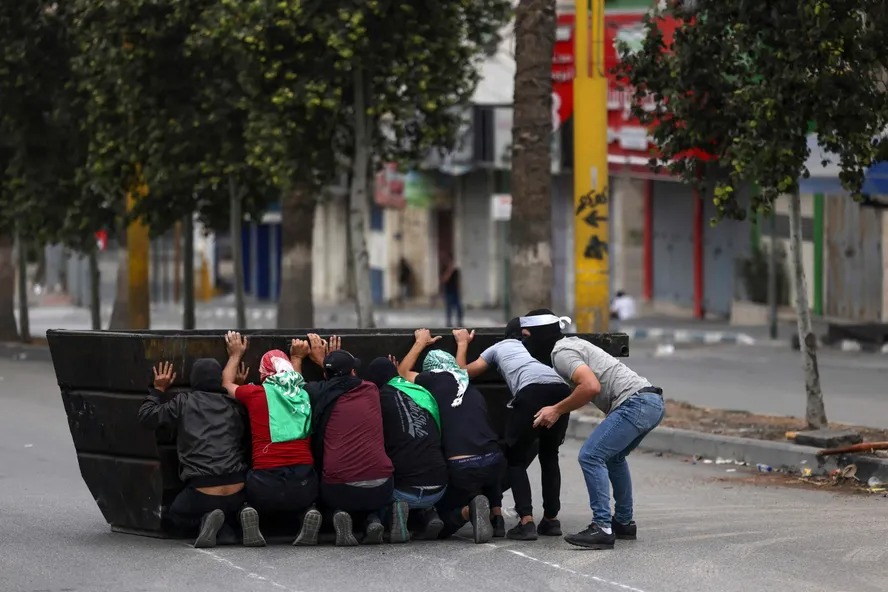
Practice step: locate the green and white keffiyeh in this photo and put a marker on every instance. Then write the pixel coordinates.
(441, 361)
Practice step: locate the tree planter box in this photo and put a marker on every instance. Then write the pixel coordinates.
(131, 472)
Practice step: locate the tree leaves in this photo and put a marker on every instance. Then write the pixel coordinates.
(743, 81)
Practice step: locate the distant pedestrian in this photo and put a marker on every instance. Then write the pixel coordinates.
(632, 406)
(452, 289)
(623, 307)
(405, 281)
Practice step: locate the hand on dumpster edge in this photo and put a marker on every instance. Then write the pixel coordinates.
(236, 344)
(463, 335)
(317, 349)
(299, 348)
(334, 344)
(164, 376)
(424, 337)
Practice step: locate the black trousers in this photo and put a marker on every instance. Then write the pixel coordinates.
(354, 499)
(470, 477)
(521, 440)
(284, 493)
(191, 505)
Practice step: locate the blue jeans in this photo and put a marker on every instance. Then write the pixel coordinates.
(416, 499)
(453, 304)
(603, 456)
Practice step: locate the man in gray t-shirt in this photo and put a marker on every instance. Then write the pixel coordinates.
(633, 407)
(533, 386)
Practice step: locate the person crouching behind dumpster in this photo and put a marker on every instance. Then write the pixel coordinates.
(212, 460)
(475, 462)
(347, 442)
(533, 386)
(632, 406)
(282, 483)
(412, 429)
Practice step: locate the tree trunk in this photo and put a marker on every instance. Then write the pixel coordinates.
(95, 296)
(295, 301)
(357, 213)
(237, 253)
(120, 311)
(8, 327)
(188, 321)
(22, 268)
(531, 225)
(815, 414)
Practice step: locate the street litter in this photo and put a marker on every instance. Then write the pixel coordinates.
(763, 468)
(849, 471)
(707, 461)
(730, 470)
(874, 481)
(723, 461)
(807, 472)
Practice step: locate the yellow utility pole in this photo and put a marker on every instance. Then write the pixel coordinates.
(591, 237)
(138, 245)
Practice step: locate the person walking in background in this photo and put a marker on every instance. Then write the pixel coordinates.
(283, 483)
(623, 307)
(405, 281)
(632, 407)
(452, 290)
(212, 458)
(533, 385)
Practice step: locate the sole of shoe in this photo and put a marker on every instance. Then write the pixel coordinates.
(311, 526)
(551, 531)
(590, 546)
(249, 521)
(479, 514)
(373, 534)
(209, 529)
(345, 536)
(399, 532)
(627, 537)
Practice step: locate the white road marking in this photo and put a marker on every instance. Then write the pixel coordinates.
(247, 573)
(577, 573)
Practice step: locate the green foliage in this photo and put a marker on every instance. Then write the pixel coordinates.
(744, 80)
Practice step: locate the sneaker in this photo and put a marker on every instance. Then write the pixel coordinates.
(249, 521)
(399, 533)
(592, 538)
(433, 526)
(479, 516)
(209, 528)
(342, 524)
(549, 527)
(626, 532)
(523, 532)
(311, 526)
(499, 526)
(374, 531)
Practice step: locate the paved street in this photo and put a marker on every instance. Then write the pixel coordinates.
(701, 529)
(768, 379)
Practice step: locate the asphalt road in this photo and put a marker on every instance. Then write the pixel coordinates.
(769, 379)
(701, 529)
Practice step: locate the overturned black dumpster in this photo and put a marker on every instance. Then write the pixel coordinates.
(131, 472)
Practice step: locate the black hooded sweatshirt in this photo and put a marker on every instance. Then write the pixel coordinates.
(209, 427)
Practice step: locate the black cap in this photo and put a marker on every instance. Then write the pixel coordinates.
(340, 363)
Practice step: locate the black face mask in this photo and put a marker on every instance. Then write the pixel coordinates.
(540, 347)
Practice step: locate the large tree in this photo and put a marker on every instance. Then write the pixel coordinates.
(737, 91)
(531, 228)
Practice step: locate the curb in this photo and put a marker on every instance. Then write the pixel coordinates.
(779, 455)
(24, 352)
(687, 336)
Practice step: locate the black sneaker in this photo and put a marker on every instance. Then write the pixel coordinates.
(433, 526)
(479, 516)
(592, 538)
(627, 532)
(311, 526)
(549, 527)
(523, 532)
(342, 524)
(399, 532)
(499, 526)
(374, 531)
(249, 521)
(209, 528)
